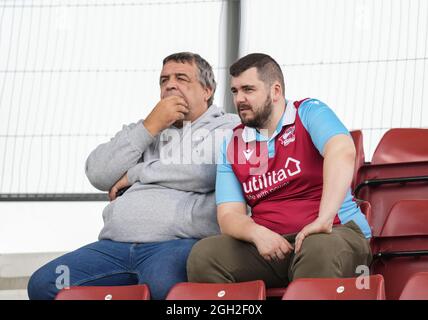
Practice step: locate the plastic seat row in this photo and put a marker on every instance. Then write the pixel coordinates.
(392, 191)
(398, 171)
(395, 187)
(360, 288)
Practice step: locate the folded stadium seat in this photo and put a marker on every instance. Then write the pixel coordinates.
(416, 288)
(400, 145)
(398, 171)
(134, 292)
(357, 137)
(401, 248)
(359, 288)
(277, 293)
(251, 290)
(365, 208)
(384, 185)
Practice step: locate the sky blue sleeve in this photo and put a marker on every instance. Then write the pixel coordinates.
(321, 122)
(227, 188)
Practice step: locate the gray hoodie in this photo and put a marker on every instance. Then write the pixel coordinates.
(169, 198)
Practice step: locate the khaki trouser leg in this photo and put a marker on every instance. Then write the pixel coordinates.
(335, 255)
(221, 259)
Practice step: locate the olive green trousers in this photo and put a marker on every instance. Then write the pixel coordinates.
(221, 259)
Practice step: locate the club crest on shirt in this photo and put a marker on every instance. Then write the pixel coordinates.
(288, 136)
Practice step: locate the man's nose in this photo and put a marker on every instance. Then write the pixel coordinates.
(171, 85)
(240, 98)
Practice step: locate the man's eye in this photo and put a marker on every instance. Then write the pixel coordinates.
(183, 79)
(248, 90)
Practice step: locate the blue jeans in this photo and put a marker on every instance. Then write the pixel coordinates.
(160, 265)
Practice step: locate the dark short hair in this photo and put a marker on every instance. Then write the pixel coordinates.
(205, 71)
(267, 68)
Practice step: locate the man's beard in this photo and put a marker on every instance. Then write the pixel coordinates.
(261, 116)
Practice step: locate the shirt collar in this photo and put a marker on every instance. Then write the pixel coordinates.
(250, 134)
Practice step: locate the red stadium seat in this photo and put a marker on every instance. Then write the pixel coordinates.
(365, 208)
(416, 288)
(383, 195)
(134, 292)
(251, 290)
(364, 288)
(398, 171)
(357, 137)
(401, 248)
(275, 293)
(402, 145)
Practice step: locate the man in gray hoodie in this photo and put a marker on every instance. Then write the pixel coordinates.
(168, 163)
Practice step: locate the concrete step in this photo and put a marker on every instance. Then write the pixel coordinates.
(13, 295)
(16, 269)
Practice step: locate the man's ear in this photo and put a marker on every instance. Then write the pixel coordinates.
(276, 91)
(208, 93)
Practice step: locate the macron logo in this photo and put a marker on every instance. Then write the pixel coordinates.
(248, 153)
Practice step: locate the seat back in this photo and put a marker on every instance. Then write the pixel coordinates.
(251, 290)
(383, 197)
(365, 208)
(407, 218)
(401, 153)
(416, 288)
(357, 137)
(400, 245)
(134, 292)
(359, 288)
(400, 145)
